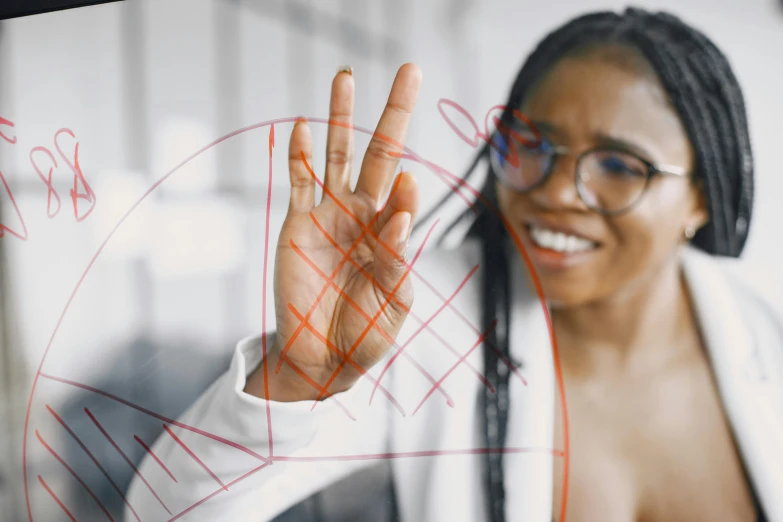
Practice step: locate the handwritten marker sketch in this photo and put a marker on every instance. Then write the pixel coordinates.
(437, 378)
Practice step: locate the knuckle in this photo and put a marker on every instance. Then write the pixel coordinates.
(339, 157)
(382, 151)
(301, 181)
(398, 108)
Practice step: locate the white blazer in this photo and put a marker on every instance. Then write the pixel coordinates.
(436, 452)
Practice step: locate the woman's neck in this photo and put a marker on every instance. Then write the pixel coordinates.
(638, 327)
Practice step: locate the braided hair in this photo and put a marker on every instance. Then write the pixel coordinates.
(704, 92)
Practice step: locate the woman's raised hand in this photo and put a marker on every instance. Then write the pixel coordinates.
(340, 263)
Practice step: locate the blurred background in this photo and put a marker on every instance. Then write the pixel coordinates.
(142, 85)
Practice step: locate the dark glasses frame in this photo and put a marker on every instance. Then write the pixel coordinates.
(557, 151)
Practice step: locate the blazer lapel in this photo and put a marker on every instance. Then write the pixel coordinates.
(748, 395)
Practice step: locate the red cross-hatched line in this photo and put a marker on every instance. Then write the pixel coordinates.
(95, 461)
(336, 271)
(56, 498)
(470, 325)
(353, 363)
(155, 415)
(366, 228)
(385, 303)
(155, 457)
(404, 307)
(348, 212)
(454, 367)
(460, 184)
(424, 325)
(125, 457)
(194, 456)
(72, 472)
(317, 386)
(367, 317)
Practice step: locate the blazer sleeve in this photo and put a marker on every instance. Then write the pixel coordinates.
(214, 462)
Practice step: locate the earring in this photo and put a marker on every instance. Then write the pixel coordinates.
(689, 232)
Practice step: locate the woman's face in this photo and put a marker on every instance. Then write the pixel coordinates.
(584, 102)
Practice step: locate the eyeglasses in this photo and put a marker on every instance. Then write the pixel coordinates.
(609, 180)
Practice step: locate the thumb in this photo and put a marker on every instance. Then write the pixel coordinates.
(390, 252)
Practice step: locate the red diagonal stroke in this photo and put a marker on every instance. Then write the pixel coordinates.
(452, 181)
(454, 367)
(422, 327)
(403, 261)
(125, 457)
(460, 183)
(56, 498)
(220, 490)
(317, 386)
(92, 457)
(73, 473)
(470, 325)
(383, 306)
(336, 271)
(193, 456)
(155, 457)
(329, 344)
(367, 318)
(403, 306)
(155, 415)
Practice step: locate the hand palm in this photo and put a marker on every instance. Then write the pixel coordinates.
(314, 280)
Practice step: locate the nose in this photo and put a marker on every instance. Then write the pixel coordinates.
(559, 189)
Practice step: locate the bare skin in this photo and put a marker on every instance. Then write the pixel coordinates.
(648, 437)
(297, 284)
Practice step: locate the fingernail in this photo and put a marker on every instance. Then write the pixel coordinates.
(345, 69)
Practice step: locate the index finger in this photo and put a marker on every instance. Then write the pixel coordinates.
(380, 160)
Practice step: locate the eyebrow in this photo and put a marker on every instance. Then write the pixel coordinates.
(602, 139)
(620, 143)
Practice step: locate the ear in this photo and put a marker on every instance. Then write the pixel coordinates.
(699, 214)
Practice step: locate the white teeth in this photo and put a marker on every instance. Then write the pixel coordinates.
(559, 241)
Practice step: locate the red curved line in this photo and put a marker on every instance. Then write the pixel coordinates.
(424, 453)
(264, 362)
(453, 182)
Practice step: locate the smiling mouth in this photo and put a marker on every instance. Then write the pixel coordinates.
(559, 241)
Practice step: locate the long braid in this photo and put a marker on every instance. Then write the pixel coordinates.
(708, 99)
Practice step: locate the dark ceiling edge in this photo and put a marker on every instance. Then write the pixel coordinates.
(17, 8)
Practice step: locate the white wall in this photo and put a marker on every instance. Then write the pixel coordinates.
(144, 83)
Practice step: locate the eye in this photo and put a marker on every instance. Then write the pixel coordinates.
(619, 164)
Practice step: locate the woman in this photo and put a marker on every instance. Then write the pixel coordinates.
(632, 142)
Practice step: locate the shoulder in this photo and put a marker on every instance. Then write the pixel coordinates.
(738, 295)
(751, 292)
